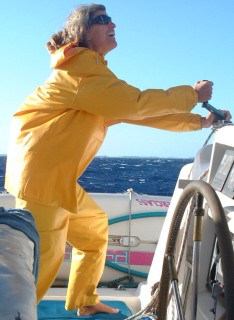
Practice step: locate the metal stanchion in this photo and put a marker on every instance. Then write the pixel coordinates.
(174, 283)
(197, 237)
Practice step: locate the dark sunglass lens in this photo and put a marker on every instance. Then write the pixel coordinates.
(102, 19)
(105, 19)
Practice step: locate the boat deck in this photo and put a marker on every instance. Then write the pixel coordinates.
(54, 309)
(128, 299)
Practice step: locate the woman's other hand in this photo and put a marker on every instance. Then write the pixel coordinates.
(207, 121)
(204, 90)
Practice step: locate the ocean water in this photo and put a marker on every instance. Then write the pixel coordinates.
(153, 176)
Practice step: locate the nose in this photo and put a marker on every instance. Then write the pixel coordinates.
(113, 25)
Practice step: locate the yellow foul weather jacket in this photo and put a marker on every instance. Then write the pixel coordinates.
(59, 128)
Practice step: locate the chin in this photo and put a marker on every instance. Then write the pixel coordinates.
(114, 45)
(111, 48)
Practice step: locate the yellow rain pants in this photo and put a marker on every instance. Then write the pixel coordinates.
(86, 231)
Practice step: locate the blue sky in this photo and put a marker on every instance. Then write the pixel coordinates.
(160, 44)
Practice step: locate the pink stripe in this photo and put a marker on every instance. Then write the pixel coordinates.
(140, 258)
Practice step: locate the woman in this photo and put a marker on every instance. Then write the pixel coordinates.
(58, 130)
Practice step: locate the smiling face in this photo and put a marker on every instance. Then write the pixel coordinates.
(101, 37)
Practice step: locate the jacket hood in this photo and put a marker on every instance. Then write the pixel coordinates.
(64, 53)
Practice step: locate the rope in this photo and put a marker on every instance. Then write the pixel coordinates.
(222, 233)
(161, 307)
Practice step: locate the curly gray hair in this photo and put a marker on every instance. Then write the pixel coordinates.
(75, 27)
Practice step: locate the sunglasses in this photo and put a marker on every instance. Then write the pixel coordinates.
(102, 19)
